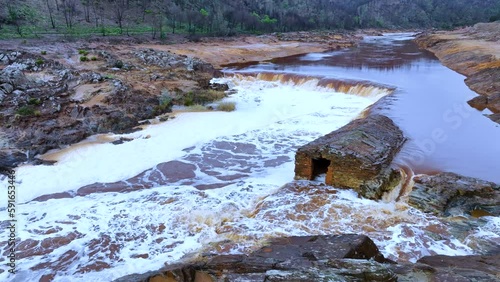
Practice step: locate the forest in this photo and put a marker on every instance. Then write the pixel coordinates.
(32, 18)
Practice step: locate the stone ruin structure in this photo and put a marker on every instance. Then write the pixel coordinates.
(356, 156)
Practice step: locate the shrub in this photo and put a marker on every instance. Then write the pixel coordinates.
(165, 97)
(83, 52)
(83, 59)
(118, 64)
(189, 100)
(226, 106)
(26, 111)
(34, 101)
(43, 52)
(196, 108)
(39, 62)
(93, 58)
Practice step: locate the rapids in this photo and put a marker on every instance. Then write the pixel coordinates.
(249, 153)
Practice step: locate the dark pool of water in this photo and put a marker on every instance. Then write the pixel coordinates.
(429, 104)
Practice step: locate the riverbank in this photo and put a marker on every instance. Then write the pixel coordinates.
(54, 94)
(475, 53)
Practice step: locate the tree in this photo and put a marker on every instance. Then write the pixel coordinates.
(120, 9)
(87, 4)
(51, 16)
(173, 13)
(69, 11)
(155, 17)
(20, 15)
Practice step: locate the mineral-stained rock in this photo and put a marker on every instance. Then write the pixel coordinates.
(479, 102)
(449, 194)
(495, 117)
(356, 156)
(471, 52)
(346, 257)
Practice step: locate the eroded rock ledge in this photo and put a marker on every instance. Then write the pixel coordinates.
(475, 53)
(450, 194)
(347, 257)
(356, 156)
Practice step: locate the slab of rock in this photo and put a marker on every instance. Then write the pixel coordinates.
(348, 257)
(449, 194)
(356, 156)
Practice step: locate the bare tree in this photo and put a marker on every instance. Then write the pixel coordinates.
(120, 9)
(69, 11)
(86, 9)
(51, 11)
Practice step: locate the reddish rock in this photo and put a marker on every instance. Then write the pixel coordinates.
(30, 248)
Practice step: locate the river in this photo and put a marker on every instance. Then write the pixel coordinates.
(152, 204)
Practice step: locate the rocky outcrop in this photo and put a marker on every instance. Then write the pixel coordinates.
(49, 100)
(465, 268)
(472, 52)
(10, 158)
(347, 257)
(449, 194)
(356, 156)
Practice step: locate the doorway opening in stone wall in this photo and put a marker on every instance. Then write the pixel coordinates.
(320, 167)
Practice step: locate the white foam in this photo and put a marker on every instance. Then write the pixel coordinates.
(274, 117)
(259, 105)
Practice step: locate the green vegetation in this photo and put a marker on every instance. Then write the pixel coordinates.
(80, 18)
(39, 62)
(226, 106)
(34, 101)
(43, 52)
(84, 58)
(93, 58)
(118, 64)
(83, 52)
(28, 110)
(196, 108)
(165, 102)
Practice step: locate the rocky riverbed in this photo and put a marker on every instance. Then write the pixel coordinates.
(58, 93)
(51, 98)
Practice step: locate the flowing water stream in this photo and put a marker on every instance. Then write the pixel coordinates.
(106, 211)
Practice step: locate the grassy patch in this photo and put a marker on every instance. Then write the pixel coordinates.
(226, 106)
(34, 101)
(84, 59)
(196, 108)
(28, 110)
(202, 97)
